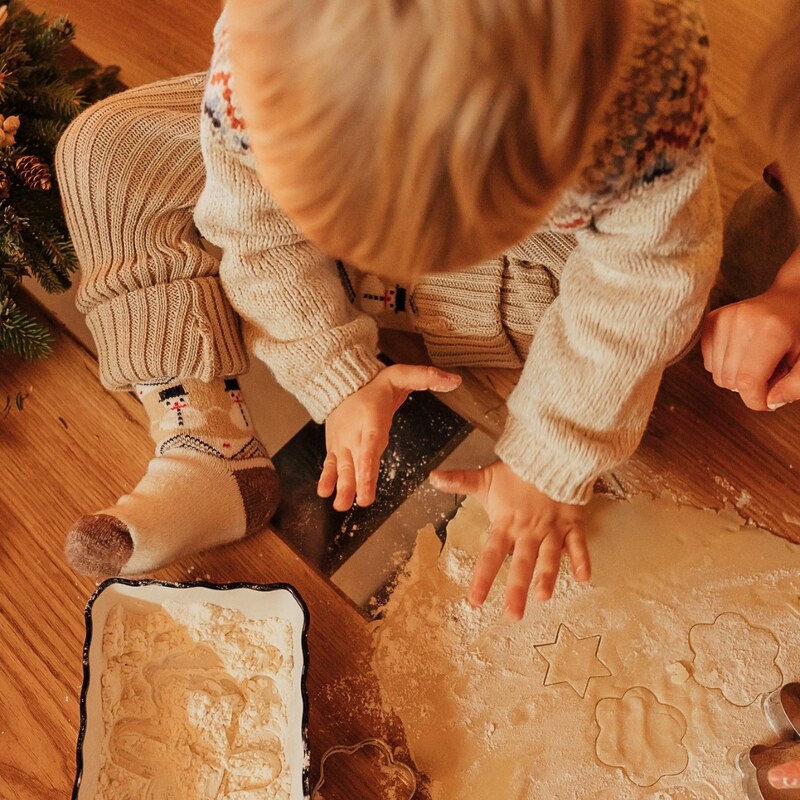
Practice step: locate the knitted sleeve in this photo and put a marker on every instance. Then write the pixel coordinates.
(288, 293)
(633, 292)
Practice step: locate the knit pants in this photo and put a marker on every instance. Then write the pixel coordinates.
(130, 171)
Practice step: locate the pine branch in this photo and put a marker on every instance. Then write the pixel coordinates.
(22, 335)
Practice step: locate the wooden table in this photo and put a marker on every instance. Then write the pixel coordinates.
(71, 448)
(75, 446)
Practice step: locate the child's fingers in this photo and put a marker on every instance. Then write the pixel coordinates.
(346, 483)
(415, 378)
(520, 574)
(459, 481)
(369, 458)
(489, 562)
(785, 776)
(327, 478)
(578, 552)
(547, 567)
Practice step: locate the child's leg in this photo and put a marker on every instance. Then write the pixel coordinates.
(130, 171)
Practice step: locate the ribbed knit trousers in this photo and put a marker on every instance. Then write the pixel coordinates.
(130, 172)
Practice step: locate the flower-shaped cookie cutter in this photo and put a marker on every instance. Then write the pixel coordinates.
(754, 765)
(404, 781)
(782, 710)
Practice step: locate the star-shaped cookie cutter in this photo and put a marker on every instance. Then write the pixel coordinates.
(782, 710)
(406, 780)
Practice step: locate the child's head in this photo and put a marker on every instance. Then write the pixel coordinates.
(773, 104)
(406, 136)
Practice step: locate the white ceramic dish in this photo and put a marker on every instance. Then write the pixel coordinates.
(256, 601)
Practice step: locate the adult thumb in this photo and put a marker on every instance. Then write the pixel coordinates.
(786, 390)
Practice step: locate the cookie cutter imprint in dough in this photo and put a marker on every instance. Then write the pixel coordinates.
(571, 662)
(405, 777)
(664, 711)
(707, 681)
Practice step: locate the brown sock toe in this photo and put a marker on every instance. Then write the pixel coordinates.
(261, 492)
(98, 545)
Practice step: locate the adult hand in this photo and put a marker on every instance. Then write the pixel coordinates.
(785, 776)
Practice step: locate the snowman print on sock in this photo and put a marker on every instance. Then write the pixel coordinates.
(179, 412)
(239, 415)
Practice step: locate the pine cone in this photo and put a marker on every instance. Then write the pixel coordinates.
(5, 186)
(34, 173)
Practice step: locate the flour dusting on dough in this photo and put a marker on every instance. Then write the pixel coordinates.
(660, 725)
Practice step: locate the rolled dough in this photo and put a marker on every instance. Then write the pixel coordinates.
(694, 616)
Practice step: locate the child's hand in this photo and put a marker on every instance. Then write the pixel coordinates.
(524, 523)
(357, 431)
(752, 348)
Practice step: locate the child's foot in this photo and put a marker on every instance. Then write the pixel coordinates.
(210, 483)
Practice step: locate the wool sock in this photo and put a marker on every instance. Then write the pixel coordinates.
(211, 482)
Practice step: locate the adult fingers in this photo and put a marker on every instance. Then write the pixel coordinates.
(327, 478)
(578, 552)
(489, 562)
(757, 366)
(719, 346)
(346, 483)
(415, 378)
(709, 333)
(520, 574)
(785, 776)
(547, 567)
(786, 390)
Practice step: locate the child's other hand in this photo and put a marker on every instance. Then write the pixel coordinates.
(357, 431)
(752, 348)
(524, 523)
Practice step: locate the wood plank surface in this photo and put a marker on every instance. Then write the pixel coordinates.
(150, 39)
(76, 447)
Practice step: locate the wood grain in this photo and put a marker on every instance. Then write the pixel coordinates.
(74, 448)
(150, 39)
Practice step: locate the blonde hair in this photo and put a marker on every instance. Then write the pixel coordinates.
(408, 136)
(773, 103)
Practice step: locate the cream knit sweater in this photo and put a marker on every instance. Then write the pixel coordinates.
(633, 247)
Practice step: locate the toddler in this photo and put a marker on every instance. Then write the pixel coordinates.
(526, 183)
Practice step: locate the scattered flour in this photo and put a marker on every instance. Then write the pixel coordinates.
(193, 699)
(694, 616)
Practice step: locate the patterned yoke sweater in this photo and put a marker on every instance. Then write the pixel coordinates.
(632, 247)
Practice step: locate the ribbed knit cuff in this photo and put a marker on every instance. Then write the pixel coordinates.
(564, 476)
(458, 315)
(346, 374)
(184, 328)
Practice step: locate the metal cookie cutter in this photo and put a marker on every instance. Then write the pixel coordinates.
(782, 710)
(754, 764)
(397, 779)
